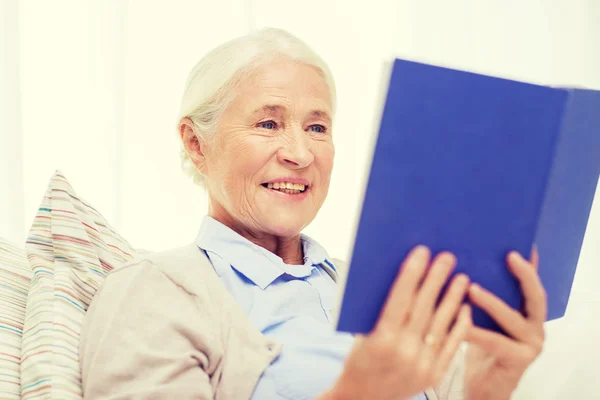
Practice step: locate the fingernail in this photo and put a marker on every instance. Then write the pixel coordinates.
(447, 258)
(462, 279)
(420, 251)
(514, 256)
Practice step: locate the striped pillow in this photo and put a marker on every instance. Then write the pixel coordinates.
(15, 275)
(71, 248)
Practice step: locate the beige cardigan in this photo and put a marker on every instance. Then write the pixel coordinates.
(165, 327)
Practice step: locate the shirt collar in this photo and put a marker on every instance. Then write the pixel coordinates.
(256, 263)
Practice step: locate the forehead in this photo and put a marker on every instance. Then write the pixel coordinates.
(284, 82)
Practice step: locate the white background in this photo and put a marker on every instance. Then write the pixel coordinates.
(92, 88)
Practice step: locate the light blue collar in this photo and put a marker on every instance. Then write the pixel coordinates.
(256, 263)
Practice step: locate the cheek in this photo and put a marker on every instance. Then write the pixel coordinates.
(324, 156)
(242, 158)
(251, 156)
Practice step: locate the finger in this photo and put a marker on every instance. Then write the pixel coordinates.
(450, 306)
(423, 308)
(403, 290)
(507, 317)
(493, 343)
(535, 257)
(531, 286)
(457, 335)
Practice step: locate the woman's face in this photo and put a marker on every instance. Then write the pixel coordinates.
(276, 132)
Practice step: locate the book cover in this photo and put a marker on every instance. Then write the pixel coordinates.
(476, 165)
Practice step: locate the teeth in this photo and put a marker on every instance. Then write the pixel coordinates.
(287, 187)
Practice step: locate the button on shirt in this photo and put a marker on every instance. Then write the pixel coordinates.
(291, 304)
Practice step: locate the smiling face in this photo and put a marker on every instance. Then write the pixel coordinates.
(268, 166)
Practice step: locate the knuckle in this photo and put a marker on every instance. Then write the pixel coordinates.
(540, 292)
(538, 338)
(381, 348)
(407, 353)
(387, 335)
(385, 327)
(391, 345)
(538, 346)
(544, 295)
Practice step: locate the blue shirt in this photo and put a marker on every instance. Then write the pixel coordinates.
(292, 304)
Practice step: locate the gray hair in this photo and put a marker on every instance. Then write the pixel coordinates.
(211, 83)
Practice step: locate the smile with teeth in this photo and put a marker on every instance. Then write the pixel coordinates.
(286, 187)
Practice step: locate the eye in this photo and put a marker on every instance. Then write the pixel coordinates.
(317, 128)
(268, 125)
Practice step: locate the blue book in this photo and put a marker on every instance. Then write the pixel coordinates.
(478, 166)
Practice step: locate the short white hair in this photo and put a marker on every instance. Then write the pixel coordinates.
(211, 83)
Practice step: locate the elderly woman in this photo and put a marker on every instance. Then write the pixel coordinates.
(246, 310)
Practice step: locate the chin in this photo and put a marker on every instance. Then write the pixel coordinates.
(285, 227)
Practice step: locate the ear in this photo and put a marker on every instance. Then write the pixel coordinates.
(193, 145)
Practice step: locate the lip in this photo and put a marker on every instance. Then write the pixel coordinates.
(284, 196)
(288, 197)
(298, 181)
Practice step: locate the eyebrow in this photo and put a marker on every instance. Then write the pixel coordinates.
(269, 108)
(321, 114)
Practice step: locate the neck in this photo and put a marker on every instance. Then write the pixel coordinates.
(289, 249)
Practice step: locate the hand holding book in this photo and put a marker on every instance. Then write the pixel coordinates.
(495, 363)
(414, 341)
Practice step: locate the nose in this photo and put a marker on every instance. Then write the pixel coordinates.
(296, 152)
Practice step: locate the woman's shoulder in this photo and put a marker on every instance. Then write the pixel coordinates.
(166, 259)
(135, 309)
(186, 267)
(169, 284)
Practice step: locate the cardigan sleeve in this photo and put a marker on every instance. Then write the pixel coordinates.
(138, 341)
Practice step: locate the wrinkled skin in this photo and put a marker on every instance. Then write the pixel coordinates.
(278, 125)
